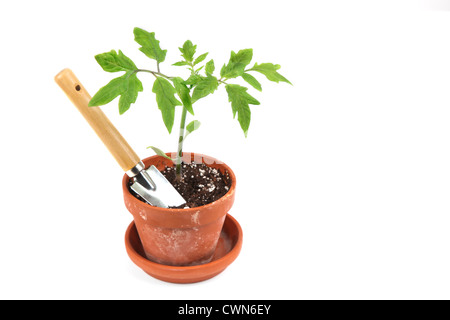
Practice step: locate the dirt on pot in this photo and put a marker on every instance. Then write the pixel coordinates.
(200, 184)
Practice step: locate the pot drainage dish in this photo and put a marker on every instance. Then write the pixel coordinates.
(227, 250)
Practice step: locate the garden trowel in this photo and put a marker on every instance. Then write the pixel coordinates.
(149, 183)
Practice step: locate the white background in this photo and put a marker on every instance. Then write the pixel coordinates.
(343, 181)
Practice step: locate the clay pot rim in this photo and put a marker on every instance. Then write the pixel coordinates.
(230, 192)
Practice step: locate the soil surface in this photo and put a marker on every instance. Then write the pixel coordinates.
(200, 184)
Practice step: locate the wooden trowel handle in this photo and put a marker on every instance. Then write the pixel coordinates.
(106, 131)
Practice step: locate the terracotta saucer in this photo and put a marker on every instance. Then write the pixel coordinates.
(228, 248)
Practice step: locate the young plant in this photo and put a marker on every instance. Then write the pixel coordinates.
(197, 86)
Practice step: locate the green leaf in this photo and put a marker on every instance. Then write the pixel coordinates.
(166, 101)
(188, 51)
(270, 71)
(180, 64)
(113, 62)
(159, 152)
(150, 46)
(236, 65)
(240, 101)
(191, 127)
(251, 80)
(127, 87)
(209, 68)
(196, 71)
(134, 86)
(200, 58)
(204, 87)
(193, 80)
(183, 93)
(108, 93)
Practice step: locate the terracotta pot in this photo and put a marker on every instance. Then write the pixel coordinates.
(180, 237)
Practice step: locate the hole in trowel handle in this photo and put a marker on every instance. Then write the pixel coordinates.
(78, 87)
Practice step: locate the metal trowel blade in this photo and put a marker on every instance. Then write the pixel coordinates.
(154, 188)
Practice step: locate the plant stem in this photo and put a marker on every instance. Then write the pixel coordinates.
(180, 143)
(155, 73)
(181, 135)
